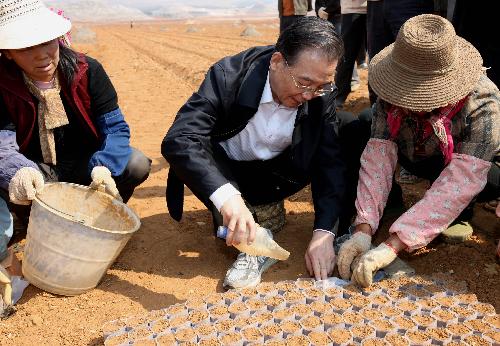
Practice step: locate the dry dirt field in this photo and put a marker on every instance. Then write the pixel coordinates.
(155, 68)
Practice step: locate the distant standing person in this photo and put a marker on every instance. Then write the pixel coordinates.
(291, 10)
(131, 24)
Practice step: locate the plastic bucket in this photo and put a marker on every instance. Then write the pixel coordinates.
(74, 235)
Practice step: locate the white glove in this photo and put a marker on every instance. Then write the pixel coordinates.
(6, 293)
(357, 245)
(322, 13)
(24, 185)
(101, 178)
(372, 261)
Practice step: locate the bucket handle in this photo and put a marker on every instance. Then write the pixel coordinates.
(70, 216)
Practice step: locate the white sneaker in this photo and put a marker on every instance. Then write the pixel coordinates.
(246, 271)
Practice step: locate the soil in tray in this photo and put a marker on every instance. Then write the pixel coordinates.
(313, 293)
(310, 322)
(271, 330)
(371, 314)
(262, 317)
(218, 311)
(301, 309)
(237, 308)
(282, 314)
(340, 304)
(144, 342)
(458, 329)
(318, 338)
(198, 316)
(255, 304)
(362, 331)
(382, 325)
(186, 334)
(484, 309)
(478, 325)
(440, 334)
(230, 338)
(165, 339)
(206, 329)
(476, 340)
(251, 334)
(286, 286)
(339, 336)
(297, 340)
(352, 317)
(395, 339)
(293, 296)
(274, 301)
(373, 342)
(321, 307)
(224, 326)
(379, 299)
(290, 327)
(332, 318)
(417, 336)
(403, 322)
(209, 342)
(116, 340)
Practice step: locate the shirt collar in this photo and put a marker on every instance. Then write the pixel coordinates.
(267, 95)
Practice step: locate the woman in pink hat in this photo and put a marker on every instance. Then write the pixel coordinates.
(438, 115)
(59, 115)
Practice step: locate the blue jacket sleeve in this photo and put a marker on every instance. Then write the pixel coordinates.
(11, 160)
(115, 149)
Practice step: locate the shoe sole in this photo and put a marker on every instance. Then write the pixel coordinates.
(268, 263)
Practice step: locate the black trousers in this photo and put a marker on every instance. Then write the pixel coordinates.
(286, 21)
(384, 18)
(353, 33)
(263, 182)
(76, 171)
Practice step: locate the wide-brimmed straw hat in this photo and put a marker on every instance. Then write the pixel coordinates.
(27, 23)
(428, 66)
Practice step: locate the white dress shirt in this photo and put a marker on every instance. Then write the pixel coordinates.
(267, 134)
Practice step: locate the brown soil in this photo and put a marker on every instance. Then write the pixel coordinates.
(458, 329)
(272, 330)
(382, 325)
(218, 311)
(282, 314)
(290, 327)
(390, 311)
(251, 334)
(379, 299)
(263, 317)
(476, 341)
(184, 335)
(198, 316)
(438, 333)
(443, 315)
(352, 317)
(478, 325)
(297, 340)
(373, 342)
(486, 309)
(237, 308)
(493, 320)
(362, 331)
(293, 297)
(205, 330)
(320, 307)
(286, 286)
(394, 339)
(332, 319)
(305, 284)
(310, 322)
(229, 338)
(274, 301)
(266, 287)
(209, 342)
(403, 322)
(166, 262)
(224, 326)
(339, 336)
(313, 293)
(417, 336)
(423, 320)
(145, 342)
(166, 339)
(371, 314)
(318, 338)
(301, 309)
(340, 304)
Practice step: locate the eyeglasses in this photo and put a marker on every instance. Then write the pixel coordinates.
(322, 90)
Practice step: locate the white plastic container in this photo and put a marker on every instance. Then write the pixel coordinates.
(263, 245)
(74, 235)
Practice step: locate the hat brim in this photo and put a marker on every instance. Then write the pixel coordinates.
(425, 92)
(39, 26)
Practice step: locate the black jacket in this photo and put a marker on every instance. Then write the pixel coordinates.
(227, 99)
(332, 7)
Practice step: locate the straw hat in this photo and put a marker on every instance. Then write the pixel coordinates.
(428, 66)
(26, 23)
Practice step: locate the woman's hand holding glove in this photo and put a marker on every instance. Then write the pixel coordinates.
(24, 185)
(101, 176)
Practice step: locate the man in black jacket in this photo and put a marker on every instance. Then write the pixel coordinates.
(260, 128)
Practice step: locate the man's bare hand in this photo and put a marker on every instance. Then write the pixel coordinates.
(239, 221)
(320, 255)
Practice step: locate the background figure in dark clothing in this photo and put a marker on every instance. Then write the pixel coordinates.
(353, 34)
(330, 10)
(292, 10)
(384, 18)
(477, 25)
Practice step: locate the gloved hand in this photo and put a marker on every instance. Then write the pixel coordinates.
(101, 177)
(24, 185)
(357, 245)
(372, 261)
(322, 13)
(6, 292)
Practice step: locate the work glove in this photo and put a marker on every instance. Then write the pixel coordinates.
(355, 246)
(322, 13)
(6, 285)
(102, 180)
(370, 262)
(24, 185)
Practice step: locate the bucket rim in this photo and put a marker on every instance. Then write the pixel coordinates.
(130, 212)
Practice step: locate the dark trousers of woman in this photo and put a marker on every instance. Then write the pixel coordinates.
(76, 171)
(262, 182)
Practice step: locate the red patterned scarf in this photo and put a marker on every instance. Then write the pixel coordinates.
(437, 121)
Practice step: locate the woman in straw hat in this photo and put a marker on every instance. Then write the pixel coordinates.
(59, 116)
(439, 116)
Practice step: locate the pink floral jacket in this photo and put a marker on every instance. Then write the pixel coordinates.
(476, 133)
